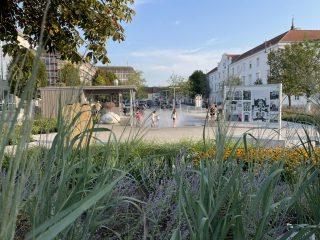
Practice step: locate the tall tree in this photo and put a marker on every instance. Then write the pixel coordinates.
(182, 84)
(68, 26)
(297, 67)
(199, 84)
(69, 75)
(21, 71)
(137, 80)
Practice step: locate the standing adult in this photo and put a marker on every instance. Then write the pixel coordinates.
(98, 107)
(174, 116)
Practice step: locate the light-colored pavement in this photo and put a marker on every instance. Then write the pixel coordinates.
(190, 126)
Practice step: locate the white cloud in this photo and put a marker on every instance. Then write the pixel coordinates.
(159, 64)
(210, 41)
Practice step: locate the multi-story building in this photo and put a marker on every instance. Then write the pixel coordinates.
(122, 72)
(252, 66)
(4, 64)
(54, 64)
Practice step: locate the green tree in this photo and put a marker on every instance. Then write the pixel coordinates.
(297, 67)
(182, 84)
(103, 78)
(199, 84)
(137, 80)
(69, 75)
(68, 26)
(21, 71)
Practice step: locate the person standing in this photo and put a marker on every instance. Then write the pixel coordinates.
(98, 108)
(139, 117)
(153, 119)
(174, 117)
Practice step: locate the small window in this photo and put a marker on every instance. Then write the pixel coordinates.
(296, 97)
(250, 65)
(258, 62)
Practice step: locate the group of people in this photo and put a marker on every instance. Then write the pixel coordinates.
(154, 118)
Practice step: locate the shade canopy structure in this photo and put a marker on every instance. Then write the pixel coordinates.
(52, 96)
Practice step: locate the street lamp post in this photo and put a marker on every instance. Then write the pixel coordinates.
(166, 96)
(174, 95)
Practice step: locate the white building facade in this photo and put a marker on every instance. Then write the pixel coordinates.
(252, 66)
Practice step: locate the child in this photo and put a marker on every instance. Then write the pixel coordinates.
(174, 116)
(139, 117)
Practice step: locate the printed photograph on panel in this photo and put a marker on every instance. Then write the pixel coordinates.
(274, 95)
(229, 95)
(274, 107)
(238, 95)
(246, 116)
(246, 95)
(233, 105)
(274, 118)
(246, 106)
(260, 110)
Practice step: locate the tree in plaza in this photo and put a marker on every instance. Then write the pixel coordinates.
(137, 80)
(103, 78)
(67, 27)
(199, 84)
(69, 75)
(21, 70)
(297, 67)
(182, 84)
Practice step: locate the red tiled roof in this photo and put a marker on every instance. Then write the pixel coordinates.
(287, 37)
(213, 70)
(233, 55)
(262, 46)
(301, 35)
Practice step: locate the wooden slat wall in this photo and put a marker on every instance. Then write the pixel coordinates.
(50, 100)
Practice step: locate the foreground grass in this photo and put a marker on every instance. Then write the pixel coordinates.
(164, 191)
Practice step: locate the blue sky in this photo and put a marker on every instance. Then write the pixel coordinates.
(180, 36)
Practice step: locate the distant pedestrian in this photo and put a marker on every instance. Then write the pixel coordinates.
(97, 108)
(174, 117)
(139, 117)
(212, 112)
(154, 119)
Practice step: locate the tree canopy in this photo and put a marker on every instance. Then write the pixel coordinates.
(182, 84)
(21, 70)
(69, 75)
(137, 80)
(297, 67)
(68, 25)
(103, 78)
(199, 84)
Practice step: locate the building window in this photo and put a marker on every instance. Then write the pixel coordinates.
(243, 66)
(258, 75)
(296, 97)
(250, 65)
(258, 62)
(250, 79)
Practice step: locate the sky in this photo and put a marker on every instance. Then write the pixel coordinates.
(177, 37)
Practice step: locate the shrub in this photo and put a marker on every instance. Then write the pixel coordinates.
(44, 125)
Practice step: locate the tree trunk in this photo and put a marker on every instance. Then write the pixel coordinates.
(289, 100)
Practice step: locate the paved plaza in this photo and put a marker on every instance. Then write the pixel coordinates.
(190, 126)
